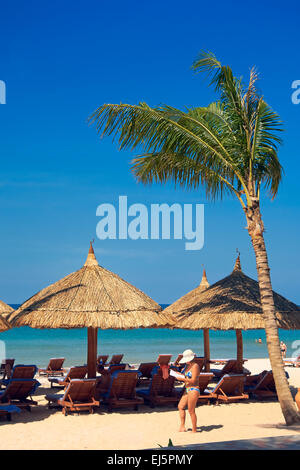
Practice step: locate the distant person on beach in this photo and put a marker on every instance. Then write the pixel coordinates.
(283, 349)
(189, 399)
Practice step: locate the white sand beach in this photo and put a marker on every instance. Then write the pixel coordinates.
(146, 428)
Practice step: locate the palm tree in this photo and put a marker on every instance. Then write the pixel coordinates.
(229, 147)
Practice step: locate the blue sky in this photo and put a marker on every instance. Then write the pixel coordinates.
(60, 61)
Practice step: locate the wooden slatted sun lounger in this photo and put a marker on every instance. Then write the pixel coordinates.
(19, 392)
(231, 367)
(224, 361)
(77, 372)
(164, 359)
(54, 367)
(161, 391)
(204, 380)
(112, 368)
(102, 385)
(6, 368)
(219, 361)
(121, 391)
(102, 360)
(229, 388)
(252, 380)
(116, 359)
(21, 371)
(264, 388)
(145, 370)
(79, 395)
(103, 382)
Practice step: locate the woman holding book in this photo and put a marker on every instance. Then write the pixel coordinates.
(189, 399)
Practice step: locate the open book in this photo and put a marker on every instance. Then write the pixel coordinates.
(175, 374)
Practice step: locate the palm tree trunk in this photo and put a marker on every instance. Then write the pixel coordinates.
(255, 229)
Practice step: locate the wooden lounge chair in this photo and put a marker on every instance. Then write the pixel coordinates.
(145, 370)
(179, 357)
(19, 392)
(8, 410)
(102, 360)
(161, 391)
(102, 385)
(101, 363)
(219, 361)
(121, 391)
(164, 359)
(54, 367)
(229, 388)
(231, 367)
(79, 395)
(264, 388)
(252, 380)
(6, 368)
(223, 361)
(21, 371)
(204, 380)
(116, 359)
(77, 372)
(111, 369)
(4, 362)
(103, 382)
(292, 361)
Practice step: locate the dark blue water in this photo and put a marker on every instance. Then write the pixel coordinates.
(28, 345)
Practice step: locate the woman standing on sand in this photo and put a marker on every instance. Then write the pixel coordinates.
(192, 392)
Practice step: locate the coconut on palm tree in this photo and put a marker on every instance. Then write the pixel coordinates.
(229, 147)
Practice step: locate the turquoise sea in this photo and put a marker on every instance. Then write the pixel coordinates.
(33, 346)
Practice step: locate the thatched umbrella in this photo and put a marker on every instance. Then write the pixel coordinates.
(4, 325)
(187, 301)
(233, 303)
(5, 310)
(91, 297)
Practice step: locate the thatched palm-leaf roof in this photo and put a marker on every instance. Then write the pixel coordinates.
(189, 299)
(5, 310)
(90, 297)
(234, 303)
(4, 325)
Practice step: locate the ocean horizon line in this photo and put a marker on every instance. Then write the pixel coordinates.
(29, 345)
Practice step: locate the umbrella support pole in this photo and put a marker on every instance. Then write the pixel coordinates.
(92, 352)
(239, 349)
(206, 349)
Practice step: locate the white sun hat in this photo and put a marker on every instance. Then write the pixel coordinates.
(187, 356)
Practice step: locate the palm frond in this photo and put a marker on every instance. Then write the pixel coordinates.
(182, 171)
(229, 146)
